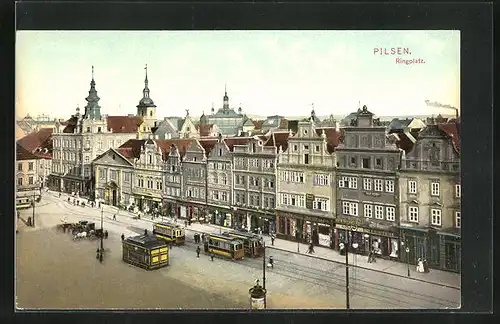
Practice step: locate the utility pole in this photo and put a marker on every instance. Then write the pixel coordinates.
(34, 194)
(264, 271)
(102, 235)
(347, 268)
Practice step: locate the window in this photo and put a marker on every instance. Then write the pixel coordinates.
(317, 148)
(19, 181)
(458, 191)
(224, 196)
(367, 184)
(353, 183)
(98, 129)
(306, 147)
(302, 201)
(321, 180)
(377, 184)
(343, 182)
(30, 180)
(412, 186)
(366, 163)
(378, 162)
(368, 211)
(224, 179)
(151, 159)
(220, 152)
(390, 213)
(306, 158)
(216, 195)
(457, 220)
(379, 212)
(436, 217)
(284, 199)
(113, 174)
(389, 185)
(435, 189)
(353, 161)
(321, 204)
(19, 167)
(345, 208)
(413, 214)
(30, 166)
(88, 129)
(295, 147)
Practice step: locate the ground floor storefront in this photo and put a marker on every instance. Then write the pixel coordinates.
(148, 204)
(305, 228)
(192, 211)
(255, 221)
(70, 185)
(442, 250)
(362, 238)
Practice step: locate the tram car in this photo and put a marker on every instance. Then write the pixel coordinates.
(223, 245)
(145, 251)
(171, 233)
(252, 243)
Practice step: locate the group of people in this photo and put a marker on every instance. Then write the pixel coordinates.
(199, 238)
(422, 265)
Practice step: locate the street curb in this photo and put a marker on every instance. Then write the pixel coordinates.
(369, 269)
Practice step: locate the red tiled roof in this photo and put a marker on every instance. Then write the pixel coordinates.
(131, 149)
(452, 130)
(232, 141)
(333, 137)
(208, 143)
(404, 142)
(37, 142)
(278, 139)
(257, 123)
(124, 124)
(70, 125)
(24, 154)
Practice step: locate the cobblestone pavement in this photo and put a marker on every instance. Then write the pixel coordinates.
(297, 281)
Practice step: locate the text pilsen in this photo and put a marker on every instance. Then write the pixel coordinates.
(391, 51)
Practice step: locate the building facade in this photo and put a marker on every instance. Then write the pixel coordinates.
(430, 193)
(77, 142)
(367, 188)
(228, 121)
(28, 184)
(254, 184)
(40, 144)
(306, 206)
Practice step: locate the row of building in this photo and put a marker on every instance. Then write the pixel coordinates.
(387, 188)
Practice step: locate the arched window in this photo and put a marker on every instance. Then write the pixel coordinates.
(151, 113)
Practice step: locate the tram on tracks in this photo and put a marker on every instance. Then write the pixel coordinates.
(223, 245)
(171, 233)
(145, 251)
(252, 243)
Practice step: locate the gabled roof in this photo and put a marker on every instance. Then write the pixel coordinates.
(24, 154)
(208, 143)
(278, 139)
(124, 124)
(453, 131)
(116, 151)
(333, 137)
(70, 125)
(38, 143)
(131, 149)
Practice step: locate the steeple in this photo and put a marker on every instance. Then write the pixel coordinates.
(226, 99)
(146, 100)
(92, 109)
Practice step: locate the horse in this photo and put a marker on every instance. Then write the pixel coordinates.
(80, 235)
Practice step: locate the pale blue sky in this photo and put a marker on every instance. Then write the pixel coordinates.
(268, 72)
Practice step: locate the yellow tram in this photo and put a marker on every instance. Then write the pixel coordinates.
(145, 251)
(169, 232)
(226, 246)
(252, 243)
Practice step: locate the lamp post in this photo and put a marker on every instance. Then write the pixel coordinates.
(297, 237)
(101, 250)
(407, 250)
(34, 198)
(346, 244)
(264, 270)
(218, 221)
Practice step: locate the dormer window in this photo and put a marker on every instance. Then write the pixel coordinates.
(150, 159)
(98, 129)
(151, 113)
(305, 131)
(220, 152)
(88, 129)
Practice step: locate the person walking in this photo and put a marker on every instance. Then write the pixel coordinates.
(272, 239)
(310, 250)
(198, 250)
(212, 256)
(146, 232)
(271, 262)
(114, 216)
(123, 237)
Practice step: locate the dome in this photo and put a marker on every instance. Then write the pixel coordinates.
(146, 101)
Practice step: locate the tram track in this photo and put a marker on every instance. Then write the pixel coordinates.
(388, 295)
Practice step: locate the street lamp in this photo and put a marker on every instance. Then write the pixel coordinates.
(297, 237)
(407, 250)
(34, 196)
(352, 228)
(102, 235)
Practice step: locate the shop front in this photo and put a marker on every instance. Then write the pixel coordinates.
(451, 249)
(383, 241)
(305, 228)
(192, 210)
(260, 221)
(147, 203)
(220, 215)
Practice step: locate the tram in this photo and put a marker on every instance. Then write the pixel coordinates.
(147, 252)
(223, 245)
(172, 233)
(252, 243)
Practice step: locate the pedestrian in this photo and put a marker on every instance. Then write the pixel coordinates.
(195, 238)
(185, 223)
(212, 256)
(106, 234)
(310, 250)
(123, 237)
(146, 232)
(114, 216)
(18, 214)
(139, 215)
(198, 250)
(426, 266)
(271, 262)
(272, 239)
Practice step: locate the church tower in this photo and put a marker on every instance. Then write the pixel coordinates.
(92, 109)
(146, 107)
(225, 99)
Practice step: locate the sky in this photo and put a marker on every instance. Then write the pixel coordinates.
(266, 72)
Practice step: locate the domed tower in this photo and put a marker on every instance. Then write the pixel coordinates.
(225, 105)
(146, 107)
